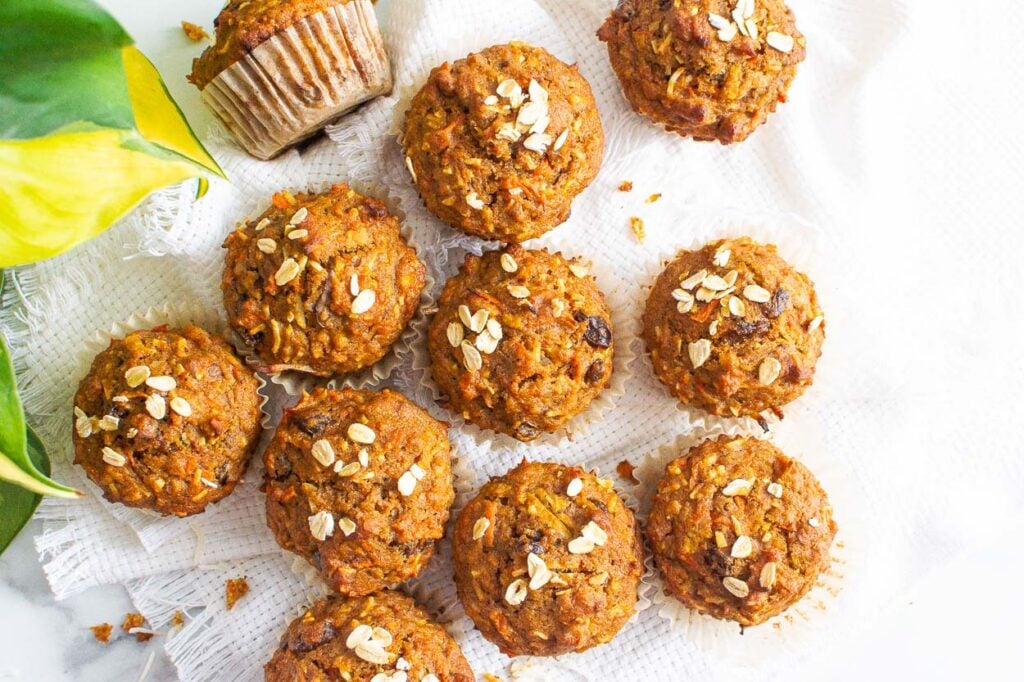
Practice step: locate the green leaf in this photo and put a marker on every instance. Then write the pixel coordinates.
(15, 464)
(87, 128)
(18, 504)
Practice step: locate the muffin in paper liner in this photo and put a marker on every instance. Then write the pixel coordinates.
(152, 528)
(799, 244)
(298, 80)
(433, 588)
(296, 383)
(537, 668)
(785, 631)
(626, 330)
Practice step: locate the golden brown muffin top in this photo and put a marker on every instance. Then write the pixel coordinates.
(360, 484)
(522, 341)
(360, 638)
(166, 420)
(733, 329)
(739, 530)
(499, 143)
(547, 560)
(710, 69)
(322, 283)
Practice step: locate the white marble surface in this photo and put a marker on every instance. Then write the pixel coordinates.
(957, 624)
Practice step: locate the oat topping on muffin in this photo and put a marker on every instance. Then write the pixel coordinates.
(321, 283)
(384, 637)
(739, 530)
(731, 328)
(499, 143)
(547, 560)
(359, 483)
(166, 420)
(706, 69)
(521, 342)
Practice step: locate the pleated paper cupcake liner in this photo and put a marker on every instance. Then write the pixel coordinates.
(624, 324)
(302, 78)
(788, 630)
(799, 244)
(154, 529)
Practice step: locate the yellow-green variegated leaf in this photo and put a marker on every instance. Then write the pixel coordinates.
(87, 128)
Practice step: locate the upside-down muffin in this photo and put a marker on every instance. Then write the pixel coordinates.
(279, 70)
(739, 530)
(733, 329)
(359, 483)
(383, 637)
(166, 420)
(521, 341)
(321, 283)
(706, 69)
(547, 560)
(499, 143)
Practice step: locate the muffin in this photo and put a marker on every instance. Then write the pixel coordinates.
(733, 329)
(739, 530)
(521, 341)
(706, 69)
(359, 483)
(547, 560)
(385, 636)
(280, 70)
(166, 420)
(499, 143)
(321, 283)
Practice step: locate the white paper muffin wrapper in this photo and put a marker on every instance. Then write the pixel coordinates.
(799, 244)
(302, 78)
(788, 629)
(154, 529)
(625, 329)
(296, 383)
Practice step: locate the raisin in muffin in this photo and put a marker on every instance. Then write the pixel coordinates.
(547, 560)
(521, 341)
(499, 143)
(706, 69)
(359, 483)
(321, 283)
(732, 329)
(383, 636)
(739, 530)
(167, 420)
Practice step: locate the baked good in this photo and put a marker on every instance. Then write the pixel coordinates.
(739, 530)
(380, 637)
(521, 341)
(499, 143)
(321, 283)
(166, 420)
(732, 329)
(706, 69)
(359, 483)
(547, 560)
(279, 70)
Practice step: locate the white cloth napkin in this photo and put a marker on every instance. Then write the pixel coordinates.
(903, 424)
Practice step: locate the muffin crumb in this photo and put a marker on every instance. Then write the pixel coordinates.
(194, 32)
(626, 186)
(135, 624)
(637, 226)
(102, 632)
(235, 589)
